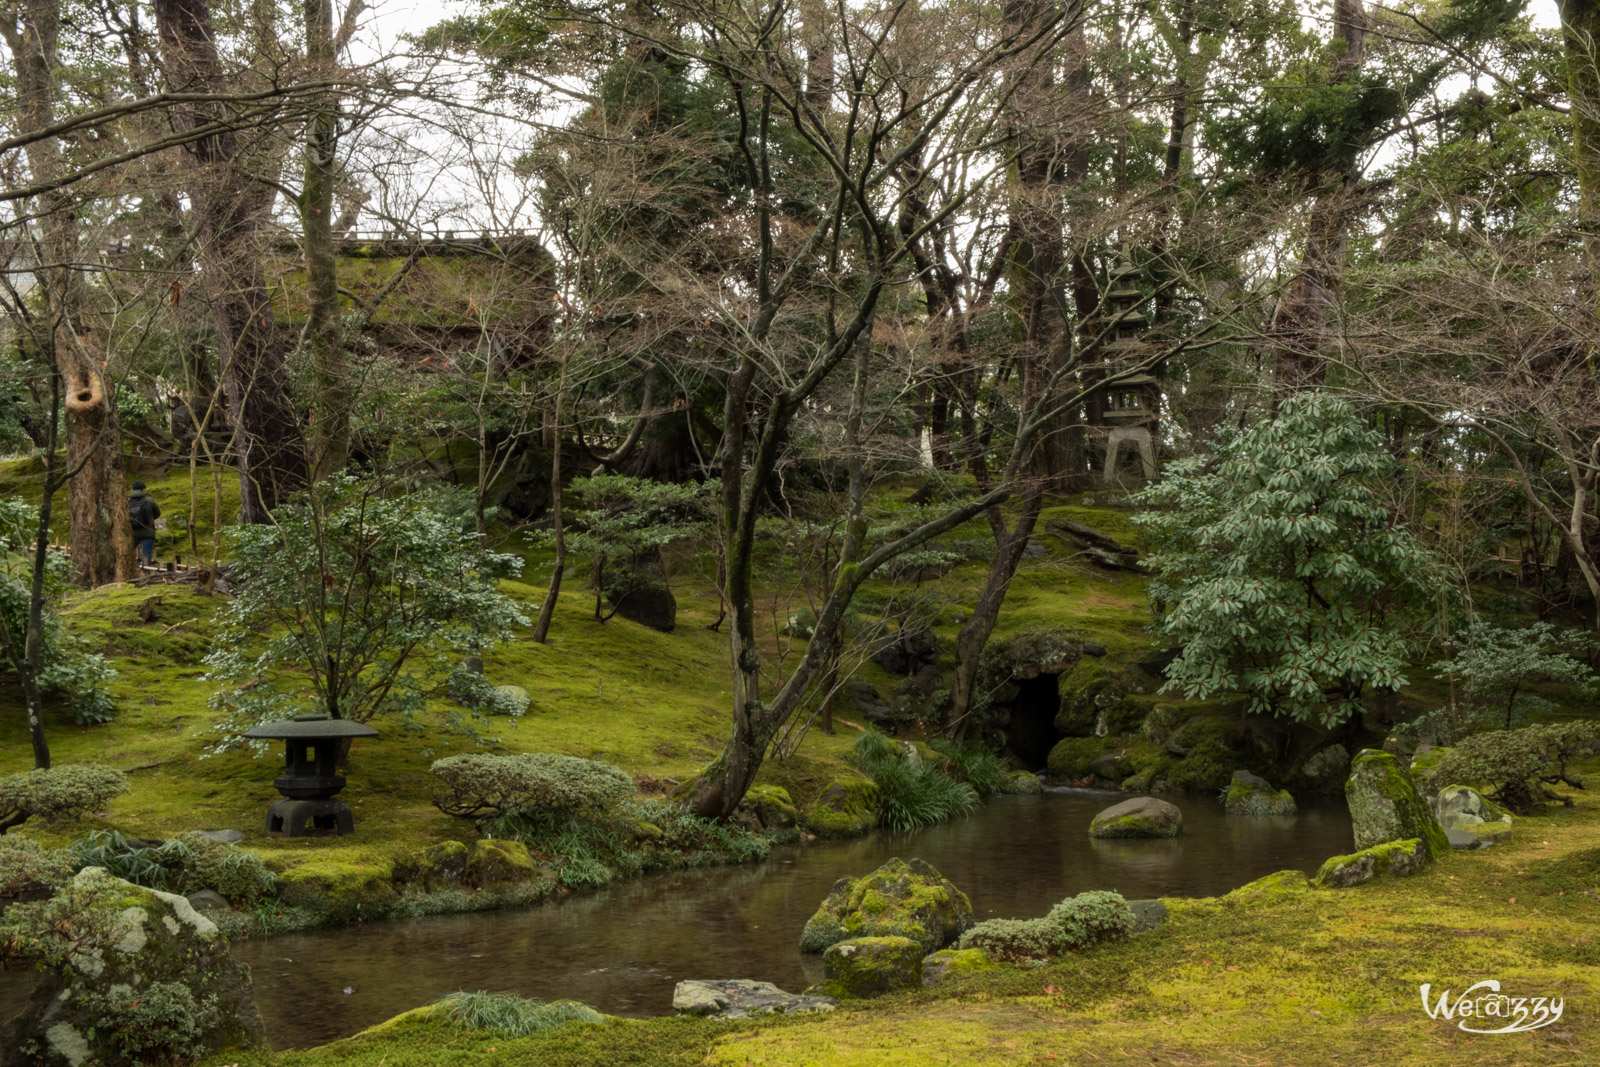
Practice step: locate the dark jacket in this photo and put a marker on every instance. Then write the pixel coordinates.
(143, 511)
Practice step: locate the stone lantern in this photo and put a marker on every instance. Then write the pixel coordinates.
(310, 780)
(1132, 411)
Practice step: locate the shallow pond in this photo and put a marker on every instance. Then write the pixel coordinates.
(623, 948)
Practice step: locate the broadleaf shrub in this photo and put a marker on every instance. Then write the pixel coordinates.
(68, 790)
(479, 786)
(65, 666)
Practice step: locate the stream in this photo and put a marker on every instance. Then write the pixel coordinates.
(623, 948)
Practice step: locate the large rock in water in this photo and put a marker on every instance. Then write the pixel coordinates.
(1250, 794)
(1139, 817)
(899, 899)
(739, 998)
(151, 982)
(846, 807)
(1385, 806)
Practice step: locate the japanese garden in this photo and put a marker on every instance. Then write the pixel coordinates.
(745, 532)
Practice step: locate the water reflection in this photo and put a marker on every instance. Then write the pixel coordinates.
(622, 949)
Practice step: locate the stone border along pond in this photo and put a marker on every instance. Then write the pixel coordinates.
(624, 947)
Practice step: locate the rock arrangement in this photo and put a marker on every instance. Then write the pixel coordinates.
(899, 899)
(149, 979)
(1138, 817)
(1392, 859)
(740, 998)
(1385, 805)
(1469, 821)
(872, 966)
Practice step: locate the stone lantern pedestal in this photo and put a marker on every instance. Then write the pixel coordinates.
(310, 780)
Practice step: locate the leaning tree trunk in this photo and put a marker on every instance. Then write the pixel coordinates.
(101, 538)
(229, 206)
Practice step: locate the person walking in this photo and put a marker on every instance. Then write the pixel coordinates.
(143, 511)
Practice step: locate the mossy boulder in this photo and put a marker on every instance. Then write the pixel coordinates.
(1250, 794)
(1020, 783)
(1070, 759)
(771, 806)
(510, 700)
(1138, 817)
(947, 964)
(147, 979)
(1092, 703)
(340, 888)
(1392, 859)
(899, 899)
(871, 966)
(1385, 806)
(1159, 723)
(446, 863)
(1327, 767)
(1460, 807)
(1270, 889)
(1423, 765)
(741, 998)
(846, 807)
(498, 863)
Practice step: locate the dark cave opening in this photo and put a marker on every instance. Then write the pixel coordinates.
(1032, 731)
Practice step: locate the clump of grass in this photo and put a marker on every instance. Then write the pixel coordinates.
(513, 1016)
(181, 865)
(911, 794)
(978, 767)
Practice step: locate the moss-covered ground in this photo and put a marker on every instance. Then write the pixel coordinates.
(655, 704)
(1279, 974)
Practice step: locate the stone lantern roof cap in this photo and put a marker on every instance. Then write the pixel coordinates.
(308, 726)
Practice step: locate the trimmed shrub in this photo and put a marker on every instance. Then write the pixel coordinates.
(69, 790)
(1015, 940)
(1093, 916)
(236, 873)
(29, 870)
(1514, 766)
(482, 786)
(164, 1022)
(1074, 923)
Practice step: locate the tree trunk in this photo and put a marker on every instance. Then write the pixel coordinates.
(1580, 22)
(977, 630)
(331, 427)
(229, 206)
(1301, 315)
(101, 537)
